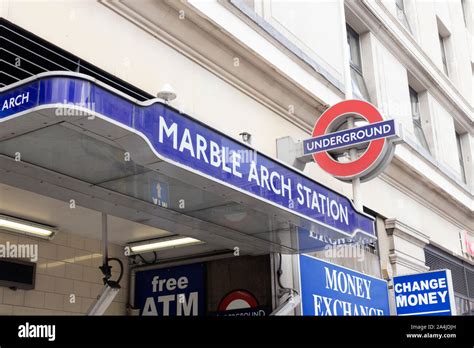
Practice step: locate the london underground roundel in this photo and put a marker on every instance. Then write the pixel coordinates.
(238, 299)
(346, 152)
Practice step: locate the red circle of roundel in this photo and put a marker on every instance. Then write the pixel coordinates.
(242, 295)
(326, 162)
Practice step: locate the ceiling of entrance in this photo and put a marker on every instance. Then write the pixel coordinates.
(81, 221)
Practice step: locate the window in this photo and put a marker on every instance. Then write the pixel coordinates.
(415, 116)
(442, 45)
(358, 83)
(461, 162)
(402, 17)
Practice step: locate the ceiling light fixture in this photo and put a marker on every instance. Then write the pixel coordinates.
(34, 229)
(163, 243)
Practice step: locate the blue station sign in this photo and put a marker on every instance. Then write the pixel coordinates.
(174, 291)
(350, 137)
(429, 293)
(331, 290)
(185, 142)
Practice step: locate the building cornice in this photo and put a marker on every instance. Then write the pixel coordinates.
(408, 262)
(395, 227)
(216, 51)
(441, 211)
(426, 171)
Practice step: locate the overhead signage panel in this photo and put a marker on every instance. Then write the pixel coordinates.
(190, 144)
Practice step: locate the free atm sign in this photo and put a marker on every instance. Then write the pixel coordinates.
(172, 291)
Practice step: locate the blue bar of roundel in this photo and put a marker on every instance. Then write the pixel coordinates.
(307, 142)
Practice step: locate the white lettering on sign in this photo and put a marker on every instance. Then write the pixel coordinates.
(322, 204)
(427, 284)
(347, 284)
(328, 306)
(229, 161)
(349, 137)
(421, 298)
(270, 181)
(170, 284)
(15, 101)
(434, 292)
(218, 156)
(185, 305)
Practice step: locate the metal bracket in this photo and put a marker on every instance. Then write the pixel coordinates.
(291, 152)
(285, 308)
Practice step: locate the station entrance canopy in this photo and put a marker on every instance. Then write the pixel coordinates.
(80, 139)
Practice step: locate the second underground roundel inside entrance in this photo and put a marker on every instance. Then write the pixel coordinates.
(238, 299)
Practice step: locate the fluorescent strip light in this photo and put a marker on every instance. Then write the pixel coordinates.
(164, 244)
(26, 227)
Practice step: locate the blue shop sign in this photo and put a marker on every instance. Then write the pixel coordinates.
(174, 291)
(429, 293)
(181, 140)
(349, 137)
(329, 290)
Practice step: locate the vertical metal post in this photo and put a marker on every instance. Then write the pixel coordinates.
(105, 255)
(349, 95)
(356, 181)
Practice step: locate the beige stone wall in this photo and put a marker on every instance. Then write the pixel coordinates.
(67, 265)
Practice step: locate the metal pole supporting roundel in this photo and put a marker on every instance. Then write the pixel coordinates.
(356, 196)
(356, 184)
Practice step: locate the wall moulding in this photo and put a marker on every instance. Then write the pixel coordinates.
(211, 47)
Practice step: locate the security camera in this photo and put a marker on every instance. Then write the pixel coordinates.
(246, 137)
(167, 93)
